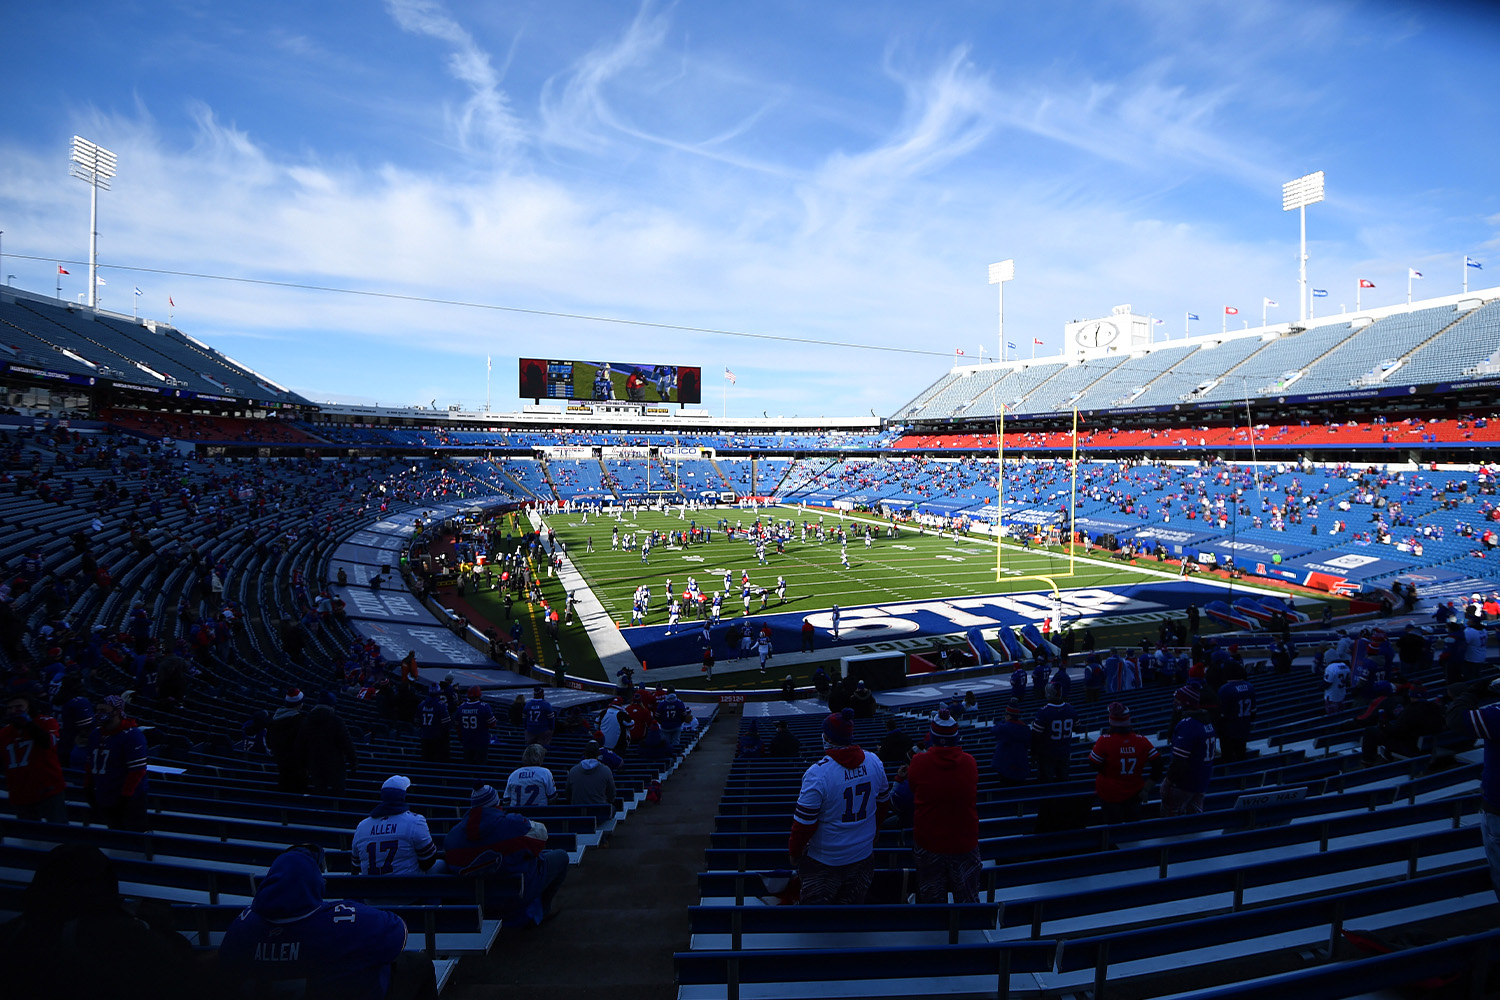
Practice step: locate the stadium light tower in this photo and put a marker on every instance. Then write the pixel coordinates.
(94, 165)
(1000, 273)
(1298, 194)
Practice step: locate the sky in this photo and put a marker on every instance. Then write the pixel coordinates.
(841, 172)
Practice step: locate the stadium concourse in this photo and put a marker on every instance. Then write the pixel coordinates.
(239, 607)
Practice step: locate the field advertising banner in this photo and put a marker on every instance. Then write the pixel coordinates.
(601, 381)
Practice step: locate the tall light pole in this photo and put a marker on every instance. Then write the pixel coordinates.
(94, 165)
(1000, 273)
(1298, 194)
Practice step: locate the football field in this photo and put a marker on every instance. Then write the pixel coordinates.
(914, 566)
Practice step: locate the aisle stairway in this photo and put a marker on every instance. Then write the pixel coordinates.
(618, 919)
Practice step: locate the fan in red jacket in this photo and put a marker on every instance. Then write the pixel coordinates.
(944, 782)
(1122, 757)
(33, 773)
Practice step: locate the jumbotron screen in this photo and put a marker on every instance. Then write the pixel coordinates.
(599, 381)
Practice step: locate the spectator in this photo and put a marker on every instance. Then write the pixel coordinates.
(434, 724)
(337, 949)
(1194, 745)
(640, 717)
(750, 743)
(1012, 762)
(531, 784)
(1397, 722)
(944, 783)
(392, 840)
(785, 743)
(1336, 681)
(326, 751)
(33, 772)
(671, 713)
(116, 777)
(539, 717)
(1236, 713)
(1123, 759)
(490, 841)
(283, 737)
(895, 746)
(475, 720)
(75, 939)
(1052, 736)
(590, 782)
(862, 701)
(843, 799)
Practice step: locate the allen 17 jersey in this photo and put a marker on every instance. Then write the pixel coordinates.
(842, 801)
(391, 845)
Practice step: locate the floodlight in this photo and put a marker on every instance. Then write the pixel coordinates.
(1305, 190)
(1005, 270)
(94, 165)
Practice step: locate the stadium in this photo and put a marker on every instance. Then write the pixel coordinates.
(584, 693)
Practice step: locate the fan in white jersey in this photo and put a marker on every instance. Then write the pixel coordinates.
(844, 797)
(392, 840)
(530, 784)
(1336, 681)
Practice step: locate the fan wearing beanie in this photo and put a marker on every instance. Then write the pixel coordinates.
(1195, 745)
(1122, 757)
(490, 841)
(844, 798)
(944, 782)
(1052, 736)
(392, 840)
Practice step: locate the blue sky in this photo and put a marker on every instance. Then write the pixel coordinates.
(833, 171)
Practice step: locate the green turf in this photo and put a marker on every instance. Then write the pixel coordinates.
(910, 568)
(913, 567)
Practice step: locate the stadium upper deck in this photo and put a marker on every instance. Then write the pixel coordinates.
(1430, 348)
(45, 340)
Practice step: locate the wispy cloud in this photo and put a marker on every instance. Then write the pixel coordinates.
(486, 116)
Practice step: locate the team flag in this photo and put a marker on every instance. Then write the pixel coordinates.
(729, 376)
(1160, 322)
(138, 290)
(170, 302)
(100, 280)
(1231, 311)
(1471, 262)
(63, 270)
(1320, 293)
(1272, 304)
(1036, 341)
(958, 350)
(1010, 345)
(1412, 272)
(1366, 283)
(1192, 316)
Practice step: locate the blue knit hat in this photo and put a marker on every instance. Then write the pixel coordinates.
(838, 729)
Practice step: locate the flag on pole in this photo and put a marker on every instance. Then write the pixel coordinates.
(138, 290)
(1471, 262)
(1412, 272)
(1231, 311)
(1320, 293)
(1192, 316)
(99, 280)
(1034, 340)
(63, 270)
(1010, 345)
(170, 302)
(729, 376)
(958, 350)
(1272, 304)
(1158, 322)
(1366, 283)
